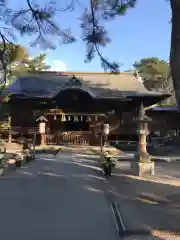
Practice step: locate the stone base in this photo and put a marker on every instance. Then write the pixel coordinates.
(142, 168)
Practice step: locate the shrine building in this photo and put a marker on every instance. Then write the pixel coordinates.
(74, 105)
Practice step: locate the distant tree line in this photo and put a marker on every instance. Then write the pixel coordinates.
(156, 76)
(20, 62)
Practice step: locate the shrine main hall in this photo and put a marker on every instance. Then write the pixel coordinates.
(74, 105)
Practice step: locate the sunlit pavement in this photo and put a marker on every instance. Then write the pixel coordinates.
(55, 198)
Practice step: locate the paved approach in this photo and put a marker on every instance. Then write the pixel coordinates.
(55, 198)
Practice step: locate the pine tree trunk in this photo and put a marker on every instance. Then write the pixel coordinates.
(175, 48)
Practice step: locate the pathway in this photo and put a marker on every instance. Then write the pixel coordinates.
(55, 198)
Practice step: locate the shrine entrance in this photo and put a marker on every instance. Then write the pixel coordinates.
(74, 118)
(71, 128)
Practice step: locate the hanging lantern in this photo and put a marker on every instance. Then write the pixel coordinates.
(55, 117)
(76, 119)
(96, 118)
(81, 118)
(63, 118)
(69, 118)
(88, 119)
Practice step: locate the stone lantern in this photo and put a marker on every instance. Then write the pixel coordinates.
(142, 166)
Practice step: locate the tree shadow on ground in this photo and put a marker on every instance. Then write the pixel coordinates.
(48, 150)
(155, 205)
(127, 191)
(151, 205)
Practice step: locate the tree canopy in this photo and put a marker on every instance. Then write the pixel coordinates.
(37, 63)
(156, 76)
(19, 61)
(154, 72)
(30, 64)
(152, 66)
(15, 52)
(38, 20)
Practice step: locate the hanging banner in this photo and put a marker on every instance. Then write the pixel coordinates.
(88, 119)
(63, 118)
(76, 119)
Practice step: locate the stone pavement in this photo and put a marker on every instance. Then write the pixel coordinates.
(144, 203)
(147, 203)
(58, 197)
(52, 192)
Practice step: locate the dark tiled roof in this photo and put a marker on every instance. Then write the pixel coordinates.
(99, 85)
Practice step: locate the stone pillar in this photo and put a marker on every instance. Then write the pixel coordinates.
(142, 153)
(142, 169)
(142, 165)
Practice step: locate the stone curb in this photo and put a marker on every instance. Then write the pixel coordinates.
(167, 160)
(122, 230)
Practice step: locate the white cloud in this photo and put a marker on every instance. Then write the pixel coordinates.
(57, 65)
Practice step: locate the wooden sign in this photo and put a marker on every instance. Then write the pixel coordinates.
(42, 127)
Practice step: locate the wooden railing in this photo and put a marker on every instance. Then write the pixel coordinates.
(75, 138)
(124, 131)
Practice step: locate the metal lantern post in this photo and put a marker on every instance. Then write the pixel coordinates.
(143, 164)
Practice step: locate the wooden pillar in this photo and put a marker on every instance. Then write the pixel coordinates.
(43, 139)
(42, 129)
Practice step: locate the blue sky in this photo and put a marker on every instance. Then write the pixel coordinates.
(143, 32)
